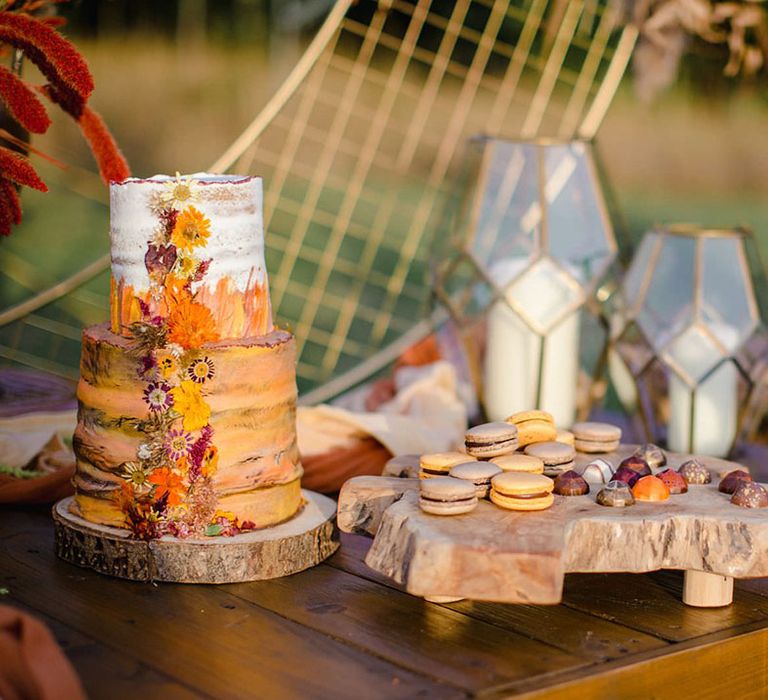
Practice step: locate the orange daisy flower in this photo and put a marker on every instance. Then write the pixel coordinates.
(191, 230)
(167, 482)
(190, 324)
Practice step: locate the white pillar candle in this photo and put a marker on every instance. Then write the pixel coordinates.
(715, 403)
(714, 416)
(513, 352)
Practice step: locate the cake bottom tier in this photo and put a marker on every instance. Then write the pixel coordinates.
(187, 442)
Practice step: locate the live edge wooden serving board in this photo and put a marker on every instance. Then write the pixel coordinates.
(512, 557)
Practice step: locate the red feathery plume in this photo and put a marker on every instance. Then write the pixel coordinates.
(70, 83)
(22, 103)
(58, 60)
(9, 198)
(112, 164)
(17, 169)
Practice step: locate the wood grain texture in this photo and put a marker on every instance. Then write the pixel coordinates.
(585, 635)
(498, 555)
(298, 544)
(219, 644)
(336, 632)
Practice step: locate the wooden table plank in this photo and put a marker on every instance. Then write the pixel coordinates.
(722, 665)
(214, 641)
(434, 640)
(585, 635)
(643, 603)
(110, 673)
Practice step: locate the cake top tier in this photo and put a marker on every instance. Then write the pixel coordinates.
(190, 244)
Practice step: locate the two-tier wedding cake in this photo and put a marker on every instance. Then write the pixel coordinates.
(186, 422)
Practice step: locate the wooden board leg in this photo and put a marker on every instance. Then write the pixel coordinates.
(703, 590)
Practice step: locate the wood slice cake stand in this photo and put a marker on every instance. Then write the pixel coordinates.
(522, 557)
(288, 548)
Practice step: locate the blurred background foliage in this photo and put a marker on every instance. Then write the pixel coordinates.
(178, 80)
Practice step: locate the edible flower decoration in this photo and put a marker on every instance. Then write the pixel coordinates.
(201, 370)
(191, 229)
(189, 402)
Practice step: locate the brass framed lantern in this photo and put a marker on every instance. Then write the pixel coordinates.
(693, 336)
(531, 243)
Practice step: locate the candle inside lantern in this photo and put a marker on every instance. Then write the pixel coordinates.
(713, 406)
(523, 367)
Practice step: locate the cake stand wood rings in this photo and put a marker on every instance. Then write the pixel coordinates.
(298, 544)
(512, 557)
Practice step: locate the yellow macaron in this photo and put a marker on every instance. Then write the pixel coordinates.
(519, 463)
(533, 426)
(440, 463)
(523, 492)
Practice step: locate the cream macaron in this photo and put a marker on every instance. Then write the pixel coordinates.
(491, 440)
(595, 437)
(478, 473)
(523, 492)
(440, 463)
(557, 456)
(444, 495)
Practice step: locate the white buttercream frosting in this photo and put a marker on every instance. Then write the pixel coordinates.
(232, 204)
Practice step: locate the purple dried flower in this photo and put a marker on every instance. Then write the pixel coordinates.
(158, 396)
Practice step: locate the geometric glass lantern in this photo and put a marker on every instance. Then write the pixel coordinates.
(692, 335)
(530, 245)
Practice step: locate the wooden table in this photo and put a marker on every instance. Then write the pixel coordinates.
(338, 631)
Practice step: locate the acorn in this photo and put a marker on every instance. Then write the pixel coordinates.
(637, 464)
(749, 494)
(695, 473)
(627, 475)
(732, 480)
(571, 484)
(674, 481)
(652, 454)
(650, 488)
(615, 494)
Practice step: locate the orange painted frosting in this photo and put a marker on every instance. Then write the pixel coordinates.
(252, 402)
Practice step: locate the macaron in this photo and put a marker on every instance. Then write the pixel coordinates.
(533, 426)
(596, 437)
(517, 462)
(565, 436)
(477, 473)
(443, 495)
(520, 491)
(440, 463)
(650, 488)
(557, 456)
(491, 440)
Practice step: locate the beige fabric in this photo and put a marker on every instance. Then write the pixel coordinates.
(22, 437)
(425, 415)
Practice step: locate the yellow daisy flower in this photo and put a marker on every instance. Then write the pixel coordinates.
(180, 193)
(191, 230)
(186, 265)
(189, 402)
